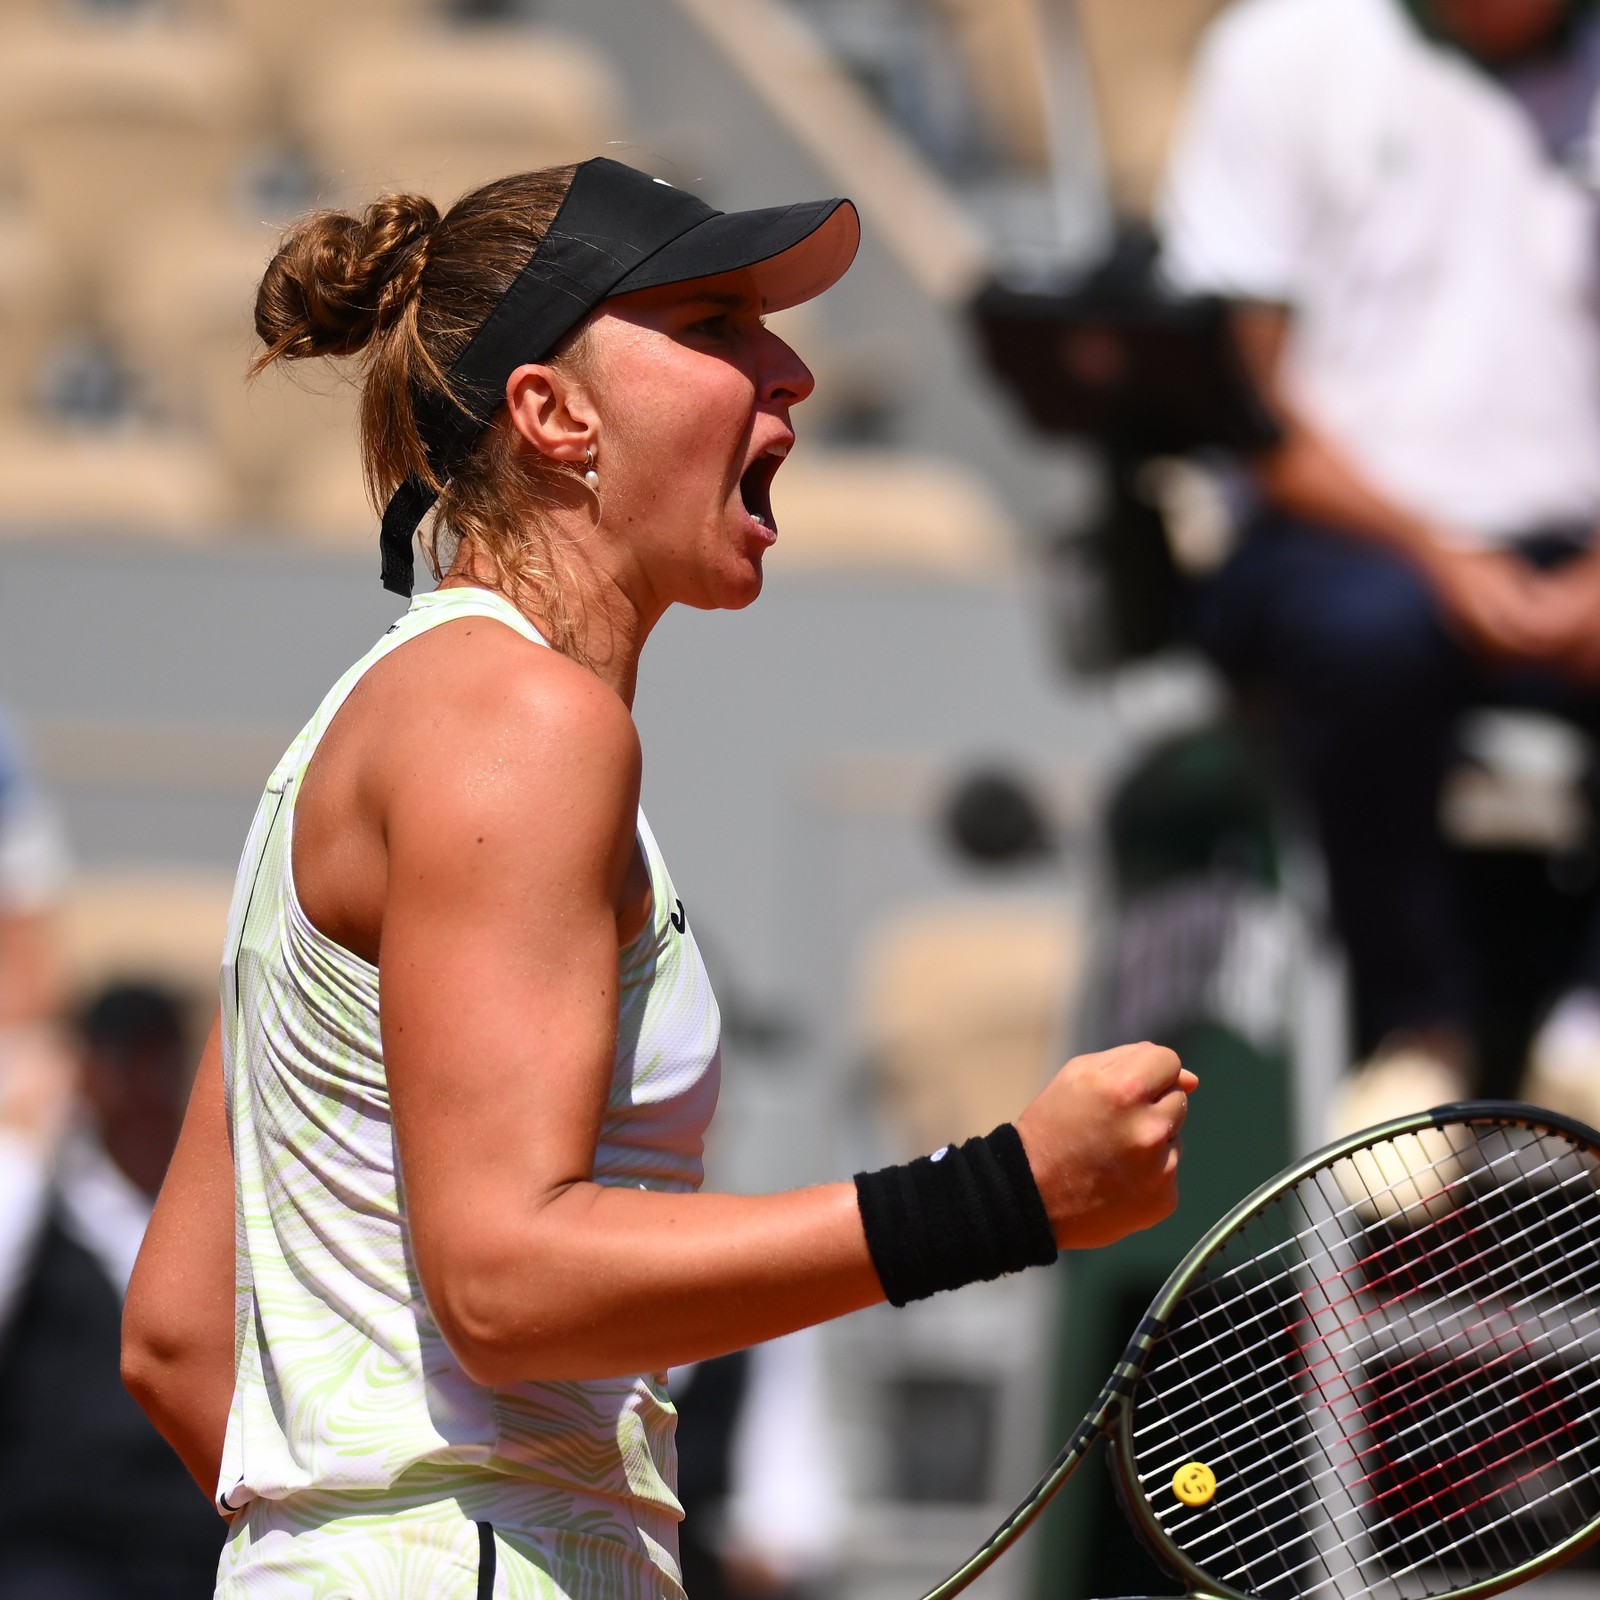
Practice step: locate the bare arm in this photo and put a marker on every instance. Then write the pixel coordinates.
(177, 1322)
(1308, 474)
(1493, 599)
(509, 829)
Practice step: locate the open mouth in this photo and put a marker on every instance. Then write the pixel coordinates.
(755, 486)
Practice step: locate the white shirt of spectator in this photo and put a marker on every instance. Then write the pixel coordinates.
(1438, 264)
(102, 1209)
(785, 1500)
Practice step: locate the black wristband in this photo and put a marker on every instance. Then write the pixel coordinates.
(970, 1213)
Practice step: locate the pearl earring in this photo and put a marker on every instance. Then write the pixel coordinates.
(590, 476)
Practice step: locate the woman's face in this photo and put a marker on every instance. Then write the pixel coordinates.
(693, 397)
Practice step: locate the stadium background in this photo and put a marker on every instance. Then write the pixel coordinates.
(189, 561)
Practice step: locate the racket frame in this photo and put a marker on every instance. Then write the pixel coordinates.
(1112, 1415)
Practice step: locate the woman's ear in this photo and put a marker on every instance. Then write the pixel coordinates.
(552, 411)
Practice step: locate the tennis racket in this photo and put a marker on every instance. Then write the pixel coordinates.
(1378, 1375)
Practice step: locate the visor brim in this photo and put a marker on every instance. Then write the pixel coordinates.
(793, 252)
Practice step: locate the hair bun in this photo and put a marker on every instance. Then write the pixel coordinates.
(337, 280)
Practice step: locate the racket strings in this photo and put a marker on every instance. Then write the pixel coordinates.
(1409, 1491)
(1544, 1449)
(1459, 1397)
(1392, 1369)
(1332, 1356)
(1350, 1280)
(1398, 1490)
(1287, 1426)
(1305, 1242)
(1573, 1282)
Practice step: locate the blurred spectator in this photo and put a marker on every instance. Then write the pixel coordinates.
(33, 869)
(35, 1072)
(1395, 194)
(757, 1476)
(93, 1503)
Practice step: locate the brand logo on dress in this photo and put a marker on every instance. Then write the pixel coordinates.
(677, 917)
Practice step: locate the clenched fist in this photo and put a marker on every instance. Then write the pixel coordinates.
(1102, 1139)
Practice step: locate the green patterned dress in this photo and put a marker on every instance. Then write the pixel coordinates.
(362, 1454)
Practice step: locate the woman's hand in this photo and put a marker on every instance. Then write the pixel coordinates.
(1102, 1139)
(1570, 597)
(1496, 601)
(37, 1085)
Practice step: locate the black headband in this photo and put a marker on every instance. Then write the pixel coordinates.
(613, 220)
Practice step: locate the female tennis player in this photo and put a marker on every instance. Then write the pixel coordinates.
(431, 1237)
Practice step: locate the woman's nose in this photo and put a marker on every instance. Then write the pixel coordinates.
(786, 379)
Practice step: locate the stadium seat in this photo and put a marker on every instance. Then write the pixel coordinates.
(1139, 54)
(964, 1007)
(322, 499)
(445, 109)
(276, 32)
(1004, 47)
(866, 510)
(24, 12)
(115, 130)
(168, 925)
(32, 305)
(125, 481)
(183, 309)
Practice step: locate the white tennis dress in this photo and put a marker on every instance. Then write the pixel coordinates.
(362, 1453)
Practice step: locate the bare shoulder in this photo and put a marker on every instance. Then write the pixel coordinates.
(479, 670)
(472, 760)
(477, 710)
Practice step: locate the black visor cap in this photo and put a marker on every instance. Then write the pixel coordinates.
(792, 253)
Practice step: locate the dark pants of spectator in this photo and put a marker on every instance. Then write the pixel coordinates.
(1368, 684)
(57, 1575)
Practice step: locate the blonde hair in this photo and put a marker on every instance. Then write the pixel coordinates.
(404, 289)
